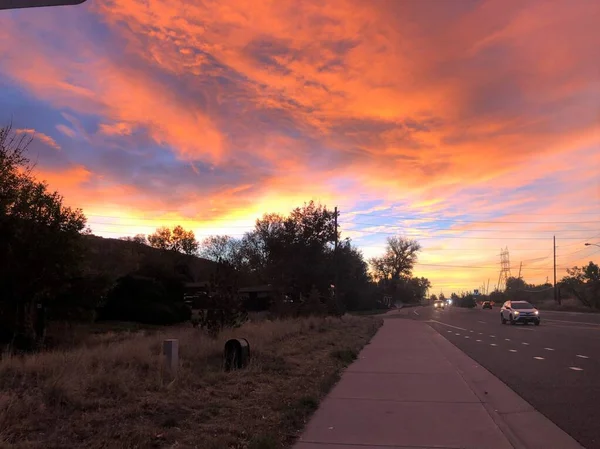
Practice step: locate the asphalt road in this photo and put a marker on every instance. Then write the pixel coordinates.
(554, 366)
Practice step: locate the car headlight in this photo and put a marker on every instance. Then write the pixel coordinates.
(516, 313)
(536, 312)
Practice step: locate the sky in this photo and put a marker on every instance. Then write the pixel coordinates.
(469, 125)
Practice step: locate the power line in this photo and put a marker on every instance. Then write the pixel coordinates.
(445, 220)
(484, 221)
(419, 236)
(435, 228)
(482, 267)
(386, 212)
(580, 242)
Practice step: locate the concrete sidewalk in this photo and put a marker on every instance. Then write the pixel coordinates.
(411, 388)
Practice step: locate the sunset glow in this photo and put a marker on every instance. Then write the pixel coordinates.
(469, 125)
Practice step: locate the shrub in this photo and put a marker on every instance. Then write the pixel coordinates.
(145, 300)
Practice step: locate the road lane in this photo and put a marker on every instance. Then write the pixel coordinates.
(576, 317)
(554, 366)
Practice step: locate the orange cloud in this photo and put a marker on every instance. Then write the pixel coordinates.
(460, 110)
(116, 129)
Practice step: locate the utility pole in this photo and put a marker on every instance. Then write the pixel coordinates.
(487, 290)
(520, 266)
(335, 256)
(556, 298)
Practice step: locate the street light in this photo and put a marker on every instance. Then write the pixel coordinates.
(592, 244)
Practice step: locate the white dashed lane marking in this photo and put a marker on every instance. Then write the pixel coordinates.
(449, 332)
(582, 356)
(574, 368)
(507, 339)
(478, 340)
(457, 334)
(549, 349)
(526, 344)
(493, 344)
(466, 336)
(539, 358)
(493, 336)
(512, 350)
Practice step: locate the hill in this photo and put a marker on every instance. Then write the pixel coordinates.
(116, 258)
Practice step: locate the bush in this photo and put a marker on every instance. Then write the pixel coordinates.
(313, 304)
(145, 300)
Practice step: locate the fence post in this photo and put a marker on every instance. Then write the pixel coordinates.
(171, 356)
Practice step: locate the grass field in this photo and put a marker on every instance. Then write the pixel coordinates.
(114, 394)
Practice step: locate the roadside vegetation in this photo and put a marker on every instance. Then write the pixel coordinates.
(579, 291)
(54, 274)
(111, 392)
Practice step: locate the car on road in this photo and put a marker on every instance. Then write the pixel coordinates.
(519, 312)
(486, 305)
(439, 304)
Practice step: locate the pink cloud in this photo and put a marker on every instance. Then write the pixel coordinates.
(41, 137)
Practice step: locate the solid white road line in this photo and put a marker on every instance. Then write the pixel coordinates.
(449, 325)
(481, 322)
(582, 356)
(539, 358)
(574, 368)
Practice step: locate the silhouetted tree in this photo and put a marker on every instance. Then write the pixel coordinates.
(177, 239)
(584, 284)
(40, 246)
(398, 260)
(138, 238)
(221, 248)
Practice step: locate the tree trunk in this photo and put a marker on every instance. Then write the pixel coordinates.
(25, 335)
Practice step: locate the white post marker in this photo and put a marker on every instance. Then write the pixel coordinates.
(171, 356)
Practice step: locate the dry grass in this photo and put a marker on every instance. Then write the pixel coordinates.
(114, 395)
(568, 305)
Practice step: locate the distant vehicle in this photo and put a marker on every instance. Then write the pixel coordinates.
(519, 312)
(486, 305)
(439, 304)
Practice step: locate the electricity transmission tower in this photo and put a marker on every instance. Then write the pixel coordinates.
(505, 268)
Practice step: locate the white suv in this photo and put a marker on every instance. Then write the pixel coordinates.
(519, 312)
